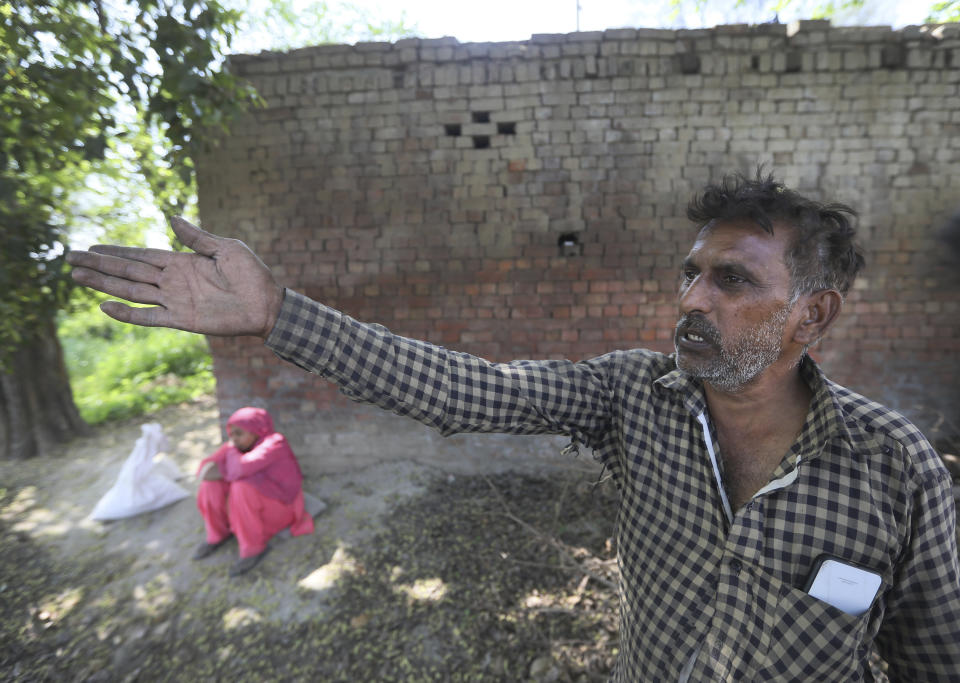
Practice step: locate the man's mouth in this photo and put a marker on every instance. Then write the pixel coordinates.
(695, 334)
(692, 341)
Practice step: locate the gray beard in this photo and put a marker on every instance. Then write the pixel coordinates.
(742, 359)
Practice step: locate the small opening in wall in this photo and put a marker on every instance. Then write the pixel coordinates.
(893, 56)
(452, 129)
(755, 62)
(689, 63)
(481, 141)
(507, 128)
(569, 244)
(480, 117)
(794, 62)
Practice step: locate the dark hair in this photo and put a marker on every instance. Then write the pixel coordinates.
(822, 253)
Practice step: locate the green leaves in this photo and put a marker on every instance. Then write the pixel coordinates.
(288, 24)
(120, 371)
(83, 84)
(944, 11)
(78, 80)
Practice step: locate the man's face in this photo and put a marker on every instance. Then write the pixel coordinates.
(734, 304)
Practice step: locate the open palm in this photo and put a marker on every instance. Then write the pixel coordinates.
(221, 289)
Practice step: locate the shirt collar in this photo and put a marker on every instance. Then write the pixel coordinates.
(685, 386)
(825, 419)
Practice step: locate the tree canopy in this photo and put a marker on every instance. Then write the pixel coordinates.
(103, 104)
(69, 71)
(944, 11)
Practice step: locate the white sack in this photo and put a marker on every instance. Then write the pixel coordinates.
(143, 484)
(167, 467)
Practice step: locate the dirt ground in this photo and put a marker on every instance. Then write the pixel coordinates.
(414, 573)
(433, 560)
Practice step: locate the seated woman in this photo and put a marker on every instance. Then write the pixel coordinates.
(250, 487)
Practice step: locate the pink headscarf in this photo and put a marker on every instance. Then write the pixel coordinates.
(269, 465)
(254, 420)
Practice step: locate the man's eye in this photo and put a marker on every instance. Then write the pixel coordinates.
(687, 274)
(733, 280)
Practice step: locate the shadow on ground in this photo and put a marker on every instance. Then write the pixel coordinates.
(414, 573)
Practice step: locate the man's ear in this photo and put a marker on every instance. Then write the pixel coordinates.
(819, 310)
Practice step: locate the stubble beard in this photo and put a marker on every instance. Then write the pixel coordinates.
(739, 360)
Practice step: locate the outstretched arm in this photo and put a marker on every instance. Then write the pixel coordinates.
(221, 289)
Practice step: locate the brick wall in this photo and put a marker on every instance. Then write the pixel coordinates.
(526, 199)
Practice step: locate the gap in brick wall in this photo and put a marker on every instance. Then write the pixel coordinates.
(480, 117)
(507, 128)
(452, 129)
(689, 63)
(481, 141)
(569, 244)
(755, 62)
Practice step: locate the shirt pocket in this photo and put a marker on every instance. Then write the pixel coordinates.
(809, 640)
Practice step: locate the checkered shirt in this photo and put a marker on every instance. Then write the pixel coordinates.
(703, 597)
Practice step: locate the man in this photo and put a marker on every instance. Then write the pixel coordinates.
(741, 468)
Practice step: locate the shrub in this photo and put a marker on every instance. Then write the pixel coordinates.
(119, 371)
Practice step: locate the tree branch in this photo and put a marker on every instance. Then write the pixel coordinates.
(550, 540)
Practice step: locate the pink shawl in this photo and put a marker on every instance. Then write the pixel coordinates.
(269, 465)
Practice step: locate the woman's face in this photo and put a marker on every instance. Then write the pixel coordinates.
(241, 439)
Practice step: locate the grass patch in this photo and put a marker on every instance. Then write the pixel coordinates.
(120, 371)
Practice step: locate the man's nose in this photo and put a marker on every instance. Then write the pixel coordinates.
(694, 295)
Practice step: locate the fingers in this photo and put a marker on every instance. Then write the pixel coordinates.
(139, 292)
(114, 261)
(193, 237)
(154, 257)
(93, 259)
(155, 316)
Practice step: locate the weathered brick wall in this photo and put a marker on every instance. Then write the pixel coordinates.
(527, 199)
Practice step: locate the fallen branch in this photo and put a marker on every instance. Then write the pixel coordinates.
(550, 540)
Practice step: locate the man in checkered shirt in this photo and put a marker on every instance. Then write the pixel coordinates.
(738, 463)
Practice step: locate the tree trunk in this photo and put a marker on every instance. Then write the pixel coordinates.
(36, 404)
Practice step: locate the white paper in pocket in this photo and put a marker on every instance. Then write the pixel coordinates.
(847, 587)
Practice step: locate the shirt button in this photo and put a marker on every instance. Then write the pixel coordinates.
(736, 565)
